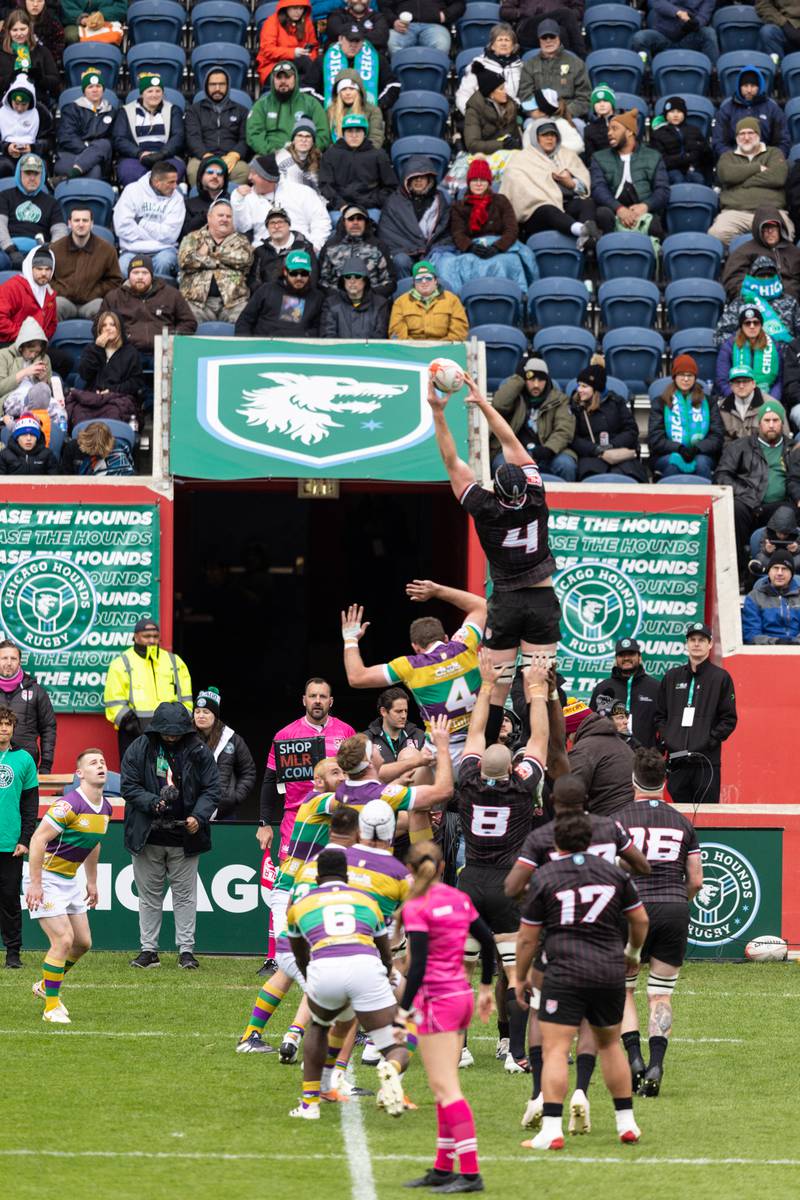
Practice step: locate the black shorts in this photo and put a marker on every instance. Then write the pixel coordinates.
(600, 1006)
(531, 614)
(668, 935)
(484, 886)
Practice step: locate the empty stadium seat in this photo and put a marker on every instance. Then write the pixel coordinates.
(691, 256)
(476, 24)
(492, 301)
(71, 337)
(566, 349)
(236, 60)
(622, 70)
(676, 72)
(419, 68)
(420, 114)
(107, 61)
(691, 209)
(556, 255)
(700, 111)
(635, 355)
(168, 61)
(505, 347)
(558, 302)
(155, 21)
(700, 344)
(610, 479)
(95, 194)
(694, 303)
(628, 302)
(611, 26)
(262, 12)
(737, 27)
(729, 65)
(620, 254)
(431, 147)
(219, 21)
(790, 74)
(791, 110)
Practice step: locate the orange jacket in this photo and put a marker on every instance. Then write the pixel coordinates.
(278, 43)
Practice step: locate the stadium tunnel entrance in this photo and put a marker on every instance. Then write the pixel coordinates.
(261, 576)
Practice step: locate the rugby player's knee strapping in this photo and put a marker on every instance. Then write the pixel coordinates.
(505, 672)
(346, 1014)
(631, 981)
(661, 985)
(508, 954)
(472, 949)
(383, 1038)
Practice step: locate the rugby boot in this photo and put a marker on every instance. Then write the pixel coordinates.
(651, 1081)
(579, 1114)
(532, 1117)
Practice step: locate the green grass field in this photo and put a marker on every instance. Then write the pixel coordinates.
(143, 1098)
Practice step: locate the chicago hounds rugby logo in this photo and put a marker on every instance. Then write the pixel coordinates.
(47, 604)
(598, 606)
(729, 900)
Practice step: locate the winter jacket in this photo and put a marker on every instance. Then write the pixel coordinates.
(660, 443)
(410, 735)
(11, 359)
(785, 254)
(603, 763)
(500, 223)
(43, 73)
(38, 461)
(779, 12)
(386, 91)
(681, 147)
(272, 119)
(210, 128)
(771, 617)
(48, 29)
(376, 134)
(112, 10)
(638, 692)
(555, 425)
(278, 311)
(510, 65)
(36, 721)
(743, 468)
(595, 137)
(118, 461)
(399, 227)
(307, 211)
(90, 405)
(268, 262)
(197, 206)
(227, 263)
(747, 183)
(124, 133)
(34, 214)
(722, 382)
(373, 25)
(141, 785)
(527, 181)
(572, 85)
(489, 127)
(341, 319)
(19, 299)
(37, 138)
(714, 705)
(770, 116)
(791, 374)
(515, 11)
(787, 308)
(237, 773)
(736, 426)
(137, 683)
(121, 374)
(370, 249)
(144, 316)
(441, 320)
(614, 419)
(360, 175)
(277, 43)
(145, 221)
(423, 12)
(661, 17)
(80, 124)
(85, 273)
(648, 174)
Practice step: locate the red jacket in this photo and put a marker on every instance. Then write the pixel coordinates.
(17, 302)
(278, 43)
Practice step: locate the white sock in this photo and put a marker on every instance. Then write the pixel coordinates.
(625, 1120)
(325, 1082)
(552, 1127)
(576, 228)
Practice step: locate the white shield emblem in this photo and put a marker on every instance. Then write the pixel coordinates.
(551, 1006)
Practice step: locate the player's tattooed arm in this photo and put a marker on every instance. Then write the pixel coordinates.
(694, 875)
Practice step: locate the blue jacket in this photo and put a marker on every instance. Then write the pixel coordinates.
(661, 16)
(770, 617)
(80, 125)
(774, 127)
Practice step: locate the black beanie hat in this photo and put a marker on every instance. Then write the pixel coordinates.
(209, 698)
(675, 102)
(487, 78)
(595, 375)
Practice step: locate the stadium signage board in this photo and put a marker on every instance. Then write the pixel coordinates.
(741, 894)
(626, 575)
(265, 409)
(74, 579)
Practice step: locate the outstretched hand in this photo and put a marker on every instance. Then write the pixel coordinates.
(352, 627)
(437, 400)
(421, 590)
(486, 666)
(474, 395)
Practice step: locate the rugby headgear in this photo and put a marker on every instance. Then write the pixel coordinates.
(376, 822)
(510, 485)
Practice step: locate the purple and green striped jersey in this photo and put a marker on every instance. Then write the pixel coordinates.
(444, 680)
(336, 921)
(308, 838)
(79, 827)
(378, 872)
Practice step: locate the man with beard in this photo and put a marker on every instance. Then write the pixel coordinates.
(355, 235)
(539, 413)
(372, 23)
(289, 308)
(630, 685)
(353, 310)
(215, 124)
(145, 305)
(415, 221)
(279, 108)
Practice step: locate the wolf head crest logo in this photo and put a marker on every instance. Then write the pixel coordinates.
(304, 406)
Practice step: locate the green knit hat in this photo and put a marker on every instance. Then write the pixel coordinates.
(89, 76)
(603, 92)
(772, 406)
(148, 79)
(423, 265)
(657, 122)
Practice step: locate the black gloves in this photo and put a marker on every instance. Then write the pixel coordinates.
(130, 724)
(479, 250)
(688, 453)
(167, 796)
(16, 258)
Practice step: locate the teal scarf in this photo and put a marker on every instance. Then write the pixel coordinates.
(760, 292)
(686, 424)
(365, 62)
(765, 363)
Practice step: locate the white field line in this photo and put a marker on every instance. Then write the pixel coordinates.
(356, 1143)
(686, 1041)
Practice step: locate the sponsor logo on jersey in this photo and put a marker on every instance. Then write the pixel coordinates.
(598, 606)
(729, 900)
(47, 604)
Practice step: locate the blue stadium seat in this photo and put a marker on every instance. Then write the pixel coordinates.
(556, 255)
(700, 344)
(175, 97)
(262, 12)
(628, 100)
(739, 240)
(737, 27)
(71, 94)
(635, 355)
(505, 347)
(628, 302)
(791, 111)
(790, 73)
(95, 194)
(476, 24)
(621, 254)
(123, 431)
(219, 21)
(700, 111)
(492, 301)
(676, 72)
(71, 337)
(435, 148)
(694, 303)
(155, 21)
(106, 59)
(794, 154)
(611, 26)
(692, 208)
(8, 182)
(102, 231)
(420, 114)
(613, 384)
(558, 302)
(236, 59)
(755, 540)
(421, 69)
(215, 329)
(691, 256)
(566, 349)
(622, 70)
(6, 275)
(684, 480)
(610, 479)
(463, 58)
(168, 61)
(729, 65)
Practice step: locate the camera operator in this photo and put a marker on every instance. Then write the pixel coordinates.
(170, 783)
(695, 713)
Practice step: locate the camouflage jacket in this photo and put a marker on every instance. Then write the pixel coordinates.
(201, 259)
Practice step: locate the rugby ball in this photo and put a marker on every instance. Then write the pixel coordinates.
(766, 949)
(447, 375)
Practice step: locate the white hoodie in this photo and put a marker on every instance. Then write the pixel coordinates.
(145, 221)
(306, 208)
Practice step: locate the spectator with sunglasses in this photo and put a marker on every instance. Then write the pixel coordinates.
(540, 416)
(212, 182)
(427, 312)
(289, 308)
(355, 234)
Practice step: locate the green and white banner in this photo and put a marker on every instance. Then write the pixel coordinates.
(741, 896)
(74, 579)
(635, 575)
(260, 409)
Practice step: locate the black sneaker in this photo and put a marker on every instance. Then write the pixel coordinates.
(432, 1179)
(461, 1183)
(188, 961)
(651, 1082)
(13, 960)
(267, 968)
(254, 1044)
(147, 958)
(288, 1051)
(637, 1071)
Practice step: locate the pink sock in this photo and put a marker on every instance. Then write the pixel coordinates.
(445, 1152)
(461, 1126)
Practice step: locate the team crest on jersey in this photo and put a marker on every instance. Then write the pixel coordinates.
(83, 823)
(523, 770)
(61, 809)
(551, 1006)
(392, 789)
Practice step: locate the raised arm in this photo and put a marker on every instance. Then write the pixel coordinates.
(460, 473)
(476, 737)
(513, 450)
(433, 795)
(537, 690)
(473, 607)
(557, 759)
(353, 629)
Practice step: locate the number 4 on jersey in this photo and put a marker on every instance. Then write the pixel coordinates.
(524, 537)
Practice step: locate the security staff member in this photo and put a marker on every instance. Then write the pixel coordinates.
(630, 685)
(695, 713)
(140, 679)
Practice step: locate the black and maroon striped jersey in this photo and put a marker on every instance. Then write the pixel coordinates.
(496, 815)
(514, 540)
(580, 899)
(609, 839)
(666, 838)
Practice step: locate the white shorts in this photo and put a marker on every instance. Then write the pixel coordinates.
(286, 963)
(456, 751)
(61, 897)
(358, 982)
(278, 906)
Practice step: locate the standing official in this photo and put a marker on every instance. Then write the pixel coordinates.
(695, 713)
(630, 684)
(19, 806)
(35, 730)
(140, 679)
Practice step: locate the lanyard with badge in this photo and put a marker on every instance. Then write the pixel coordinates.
(687, 720)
